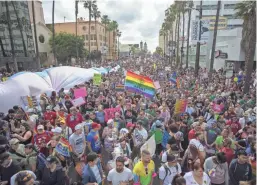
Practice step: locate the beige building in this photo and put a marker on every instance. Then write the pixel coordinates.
(97, 38)
(39, 13)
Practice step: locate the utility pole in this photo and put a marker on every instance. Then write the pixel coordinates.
(35, 35)
(214, 38)
(64, 19)
(198, 47)
(53, 32)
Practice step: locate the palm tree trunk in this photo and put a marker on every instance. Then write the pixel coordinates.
(164, 45)
(214, 38)
(110, 44)
(250, 27)
(35, 35)
(188, 33)
(176, 33)
(89, 36)
(2, 48)
(11, 36)
(20, 29)
(76, 28)
(198, 47)
(96, 35)
(177, 55)
(105, 34)
(172, 40)
(183, 36)
(53, 32)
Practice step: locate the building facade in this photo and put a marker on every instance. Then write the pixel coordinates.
(22, 35)
(99, 38)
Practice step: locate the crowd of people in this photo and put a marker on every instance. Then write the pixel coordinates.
(211, 142)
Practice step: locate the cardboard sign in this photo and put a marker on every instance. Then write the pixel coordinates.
(97, 79)
(79, 101)
(81, 92)
(110, 113)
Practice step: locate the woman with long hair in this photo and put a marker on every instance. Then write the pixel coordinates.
(26, 134)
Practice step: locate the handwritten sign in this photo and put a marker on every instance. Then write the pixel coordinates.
(180, 106)
(110, 113)
(78, 101)
(81, 92)
(97, 79)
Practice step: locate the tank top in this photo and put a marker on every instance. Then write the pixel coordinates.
(28, 141)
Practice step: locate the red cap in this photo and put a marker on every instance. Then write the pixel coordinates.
(130, 125)
(95, 126)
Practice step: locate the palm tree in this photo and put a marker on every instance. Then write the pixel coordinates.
(183, 4)
(11, 35)
(163, 33)
(96, 15)
(190, 5)
(53, 32)
(110, 28)
(118, 35)
(214, 38)
(35, 35)
(115, 28)
(105, 20)
(247, 11)
(89, 4)
(178, 10)
(76, 26)
(20, 29)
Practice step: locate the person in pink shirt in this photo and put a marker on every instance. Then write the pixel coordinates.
(74, 118)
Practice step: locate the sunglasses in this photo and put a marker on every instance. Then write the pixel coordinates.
(146, 171)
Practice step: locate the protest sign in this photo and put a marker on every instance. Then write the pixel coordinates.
(110, 113)
(157, 85)
(180, 106)
(97, 79)
(81, 92)
(119, 88)
(149, 145)
(79, 101)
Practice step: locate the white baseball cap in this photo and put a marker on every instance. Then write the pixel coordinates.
(57, 130)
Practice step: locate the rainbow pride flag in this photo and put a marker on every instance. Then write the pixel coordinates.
(139, 84)
(63, 147)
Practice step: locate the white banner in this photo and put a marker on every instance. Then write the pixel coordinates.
(149, 145)
(204, 31)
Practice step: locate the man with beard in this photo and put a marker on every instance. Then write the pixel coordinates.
(144, 169)
(120, 174)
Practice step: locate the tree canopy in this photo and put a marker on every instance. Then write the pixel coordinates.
(65, 46)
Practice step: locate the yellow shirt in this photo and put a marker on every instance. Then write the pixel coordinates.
(140, 172)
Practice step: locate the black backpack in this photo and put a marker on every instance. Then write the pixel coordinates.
(167, 170)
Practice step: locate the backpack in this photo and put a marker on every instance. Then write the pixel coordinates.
(193, 155)
(158, 135)
(167, 170)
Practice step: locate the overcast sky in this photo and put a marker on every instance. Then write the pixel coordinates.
(138, 19)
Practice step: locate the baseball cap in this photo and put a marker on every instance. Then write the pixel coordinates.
(171, 158)
(110, 121)
(95, 126)
(40, 127)
(130, 125)
(51, 159)
(57, 130)
(158, 123)
(241, 152)
(14, 141)
(77, 127)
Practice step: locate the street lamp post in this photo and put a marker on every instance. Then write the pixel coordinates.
(198, 47)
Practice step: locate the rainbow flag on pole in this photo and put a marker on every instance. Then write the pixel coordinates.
(139, 84)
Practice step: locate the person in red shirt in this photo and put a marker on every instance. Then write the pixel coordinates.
(74, 118)
(41, 138)
(234, 125)
(50, 115)
(228, 150)
(196, 128)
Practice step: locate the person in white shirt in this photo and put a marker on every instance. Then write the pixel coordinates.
(168, 171)
(140, 134)
(120, 175)
(197, 176)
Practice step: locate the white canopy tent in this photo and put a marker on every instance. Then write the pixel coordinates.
(34, 84)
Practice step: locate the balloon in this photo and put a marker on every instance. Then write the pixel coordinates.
(235, 79)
